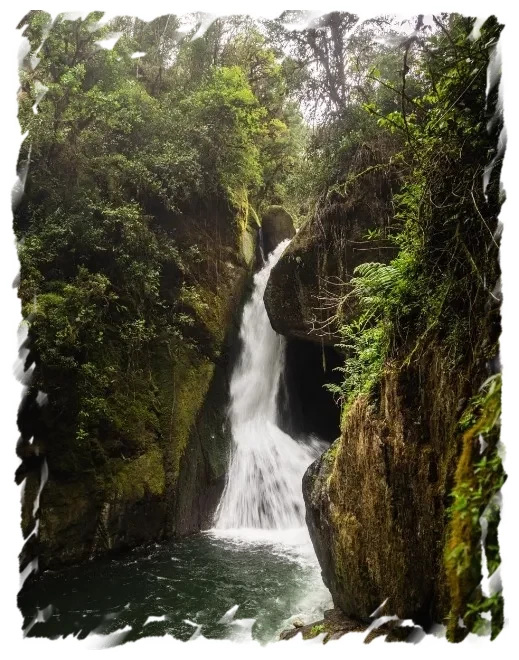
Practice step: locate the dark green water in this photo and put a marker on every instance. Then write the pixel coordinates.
(197, 579)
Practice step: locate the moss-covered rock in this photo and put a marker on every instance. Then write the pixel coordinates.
(376, 501)
(139, 477)
(159, 470)
(473, 519)
(316, 266)
(335, 624)
(277, 225)
(67, 521)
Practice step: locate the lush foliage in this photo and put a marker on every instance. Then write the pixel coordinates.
(474, 516)
(119, 148)
(439, 284)
(442, 287)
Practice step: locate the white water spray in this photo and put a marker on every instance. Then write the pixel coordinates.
(263, 489)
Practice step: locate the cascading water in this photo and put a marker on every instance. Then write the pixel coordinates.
(263, 489)
(262, 508)
(259, 557)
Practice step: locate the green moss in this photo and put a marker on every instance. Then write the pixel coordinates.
(133, 418)
(331, 453)
(346, 542)
(478, 477)
(247, 245)
(314, 631)
(330, 456)
(206, 308)
(143, 475)
(240, 200)
(247, 221)
(64, 507)
(183, 378)
(189, 395)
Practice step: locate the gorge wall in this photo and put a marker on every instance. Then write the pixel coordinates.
(328, 247)
(378, 500)
(171, 485)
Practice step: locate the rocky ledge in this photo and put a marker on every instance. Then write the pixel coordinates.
(335, 624)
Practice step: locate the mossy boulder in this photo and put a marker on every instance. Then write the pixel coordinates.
(315, 268)
(376, 501)
(277, 225)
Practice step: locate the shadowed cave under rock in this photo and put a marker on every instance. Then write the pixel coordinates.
(305, 406)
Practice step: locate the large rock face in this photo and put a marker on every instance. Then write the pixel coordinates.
(173, 487)
(321, 258)
(277, 225)
(376, 500)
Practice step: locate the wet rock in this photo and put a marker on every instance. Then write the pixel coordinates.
(375, 508)
(319, 261)
(277, 225)
(334, 625)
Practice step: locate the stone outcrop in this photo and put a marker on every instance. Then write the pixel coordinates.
(319, 261)
(172, 487)
(276, 225)
(335, 624)
(376, 499)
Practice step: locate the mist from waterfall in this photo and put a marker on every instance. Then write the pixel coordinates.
(263, 489)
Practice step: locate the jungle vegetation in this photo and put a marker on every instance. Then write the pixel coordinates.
(254, 113)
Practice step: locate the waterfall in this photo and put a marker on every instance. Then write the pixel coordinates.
(263, 489)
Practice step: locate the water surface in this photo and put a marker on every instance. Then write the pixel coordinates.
(185, 588)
